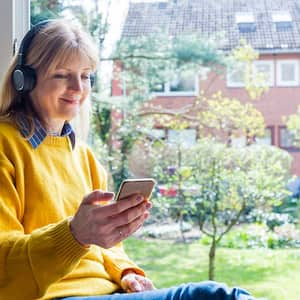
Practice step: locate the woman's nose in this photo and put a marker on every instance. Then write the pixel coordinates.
(76, 84)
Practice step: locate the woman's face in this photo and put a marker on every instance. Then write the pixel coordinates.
(58, 95)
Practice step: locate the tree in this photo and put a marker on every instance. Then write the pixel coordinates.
(45, 9)
(222, 185)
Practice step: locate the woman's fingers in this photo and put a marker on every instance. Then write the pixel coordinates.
(120, 206)
(107, 225)
(128, 229)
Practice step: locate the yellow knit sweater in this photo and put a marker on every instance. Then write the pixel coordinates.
(39, 189)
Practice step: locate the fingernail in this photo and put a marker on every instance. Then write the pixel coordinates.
(148, 205)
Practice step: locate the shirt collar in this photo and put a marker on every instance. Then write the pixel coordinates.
(40, 133)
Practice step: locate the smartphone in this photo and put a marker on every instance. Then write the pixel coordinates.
(143, 186)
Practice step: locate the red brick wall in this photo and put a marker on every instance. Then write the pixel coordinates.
(274, 104)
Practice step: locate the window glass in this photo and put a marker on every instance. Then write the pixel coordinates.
(186, 136)
(287, 73)
(266, 139)
(158, 133)
(286, 138)
(157, 88)
(267, 69)
(183, 83)
(235, 77)
(238, 141)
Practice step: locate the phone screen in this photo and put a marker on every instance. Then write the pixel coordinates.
(142, 186)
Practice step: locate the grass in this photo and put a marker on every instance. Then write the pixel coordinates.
(266, 273)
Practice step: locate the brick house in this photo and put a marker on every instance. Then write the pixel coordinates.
(272, 27)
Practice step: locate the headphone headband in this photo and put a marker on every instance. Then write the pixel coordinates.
(25, 44)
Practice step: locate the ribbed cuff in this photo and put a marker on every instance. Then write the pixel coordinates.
(67, 247)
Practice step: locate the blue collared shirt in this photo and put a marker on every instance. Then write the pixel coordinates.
(40, 133)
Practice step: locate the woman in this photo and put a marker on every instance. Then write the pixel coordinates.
(57, 240)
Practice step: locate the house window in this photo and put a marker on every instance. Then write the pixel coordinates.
(182, 83)
(287, 139)
(266, 139)
(157, 134)
(287, 72)
(186, 137)
(235, 77)
(245, 22)
(158, 87)
(238, 141)
(265, 67)
(282, 20)
(185, 84)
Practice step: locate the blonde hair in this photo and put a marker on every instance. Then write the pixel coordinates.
(53, 44)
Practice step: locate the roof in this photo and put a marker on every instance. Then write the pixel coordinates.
(209, 17)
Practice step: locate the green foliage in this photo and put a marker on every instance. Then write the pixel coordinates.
(221, 185)
(259, 236)
(45, 9)
(225, 118)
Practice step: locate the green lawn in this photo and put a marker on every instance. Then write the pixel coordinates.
(269, 274)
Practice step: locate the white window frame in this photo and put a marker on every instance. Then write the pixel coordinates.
(244, 17)
(281, 16)
(279, 80)
(15, 18)
(167, 91)
(271, 80)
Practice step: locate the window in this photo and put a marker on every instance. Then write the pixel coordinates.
(287, 139)
(245, 22)
(158, 133)
(266, 139)
(287, 73)
(185, 84)
(187, 137)
(238, 141)
(265, 67)
(235, 77)
(282, 20)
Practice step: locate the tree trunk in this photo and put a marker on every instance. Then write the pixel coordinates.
(212, 254)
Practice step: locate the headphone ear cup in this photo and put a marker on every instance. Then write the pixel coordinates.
(24, 79)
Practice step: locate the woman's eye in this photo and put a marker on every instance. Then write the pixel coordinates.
(60, 76)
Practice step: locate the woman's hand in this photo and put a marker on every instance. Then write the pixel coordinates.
(132, 283)
(107, 225)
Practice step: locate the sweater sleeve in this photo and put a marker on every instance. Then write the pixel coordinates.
(30, 262)
(116, 262)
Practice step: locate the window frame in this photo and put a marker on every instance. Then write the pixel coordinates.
(15, 18)
(167, 92)
(271, 81)
(279, 81)
(271, 128)
(287, 148)
(233, 84)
